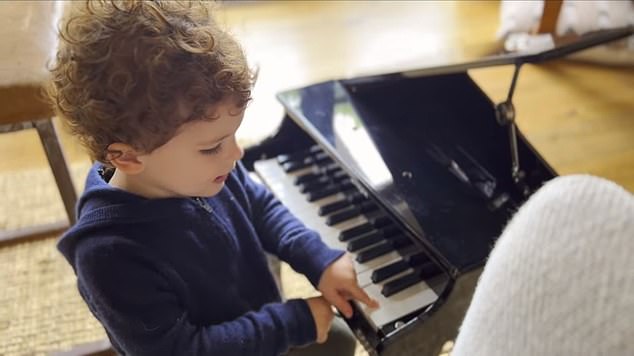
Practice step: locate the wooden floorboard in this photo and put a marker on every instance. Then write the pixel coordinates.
(578, 116)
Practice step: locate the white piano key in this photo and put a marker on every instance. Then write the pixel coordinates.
(283, 187)
(397, 305)
(400, 304)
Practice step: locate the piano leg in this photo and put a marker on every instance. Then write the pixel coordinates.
(428, 337)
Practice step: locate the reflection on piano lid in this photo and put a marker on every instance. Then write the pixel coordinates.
(439, 168)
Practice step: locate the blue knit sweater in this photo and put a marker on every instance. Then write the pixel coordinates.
(185, 276)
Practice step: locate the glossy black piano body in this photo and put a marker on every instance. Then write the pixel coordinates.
(412, 121)
(426, 147)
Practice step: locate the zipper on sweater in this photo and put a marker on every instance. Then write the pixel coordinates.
(231, 244)
(203, 204)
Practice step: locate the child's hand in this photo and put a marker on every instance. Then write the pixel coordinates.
(322, 313)
(338, 284)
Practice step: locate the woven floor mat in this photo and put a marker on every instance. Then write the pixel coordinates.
(41, 307)
(30, 197)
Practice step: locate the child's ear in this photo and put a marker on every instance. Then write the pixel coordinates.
(124, 158)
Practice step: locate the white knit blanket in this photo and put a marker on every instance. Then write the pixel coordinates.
(560, 280)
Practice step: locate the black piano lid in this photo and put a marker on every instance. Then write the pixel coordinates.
(426, 144)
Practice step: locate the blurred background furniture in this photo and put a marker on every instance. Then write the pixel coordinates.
(22, 104)
(571, 17)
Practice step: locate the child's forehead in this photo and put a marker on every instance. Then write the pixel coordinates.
(198, 129)
(208, 112)
(215, 118)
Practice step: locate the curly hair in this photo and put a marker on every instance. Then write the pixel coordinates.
(124, 67)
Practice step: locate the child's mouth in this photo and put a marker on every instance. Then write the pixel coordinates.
(221, 179)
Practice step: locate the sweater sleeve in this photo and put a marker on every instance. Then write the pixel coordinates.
(141, 306)
(282, 234)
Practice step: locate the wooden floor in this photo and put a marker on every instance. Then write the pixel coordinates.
(580, 117)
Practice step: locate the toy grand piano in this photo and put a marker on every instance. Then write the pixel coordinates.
(415, 174)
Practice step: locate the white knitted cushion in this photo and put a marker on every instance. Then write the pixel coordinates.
(560, 280)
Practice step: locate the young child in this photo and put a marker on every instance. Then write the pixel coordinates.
(169, 247)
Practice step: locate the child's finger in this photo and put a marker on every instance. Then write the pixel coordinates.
(359, 294)
(342, 304)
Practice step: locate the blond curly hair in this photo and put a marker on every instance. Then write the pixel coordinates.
(124, 67)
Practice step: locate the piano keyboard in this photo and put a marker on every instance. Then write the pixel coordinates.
(389, 266)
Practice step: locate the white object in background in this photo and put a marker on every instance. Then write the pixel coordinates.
(526, 43)
(575, 17)
(519, 17)
(29, 40)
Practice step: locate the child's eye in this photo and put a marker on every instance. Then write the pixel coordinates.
(211, 151)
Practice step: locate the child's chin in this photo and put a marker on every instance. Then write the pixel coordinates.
(210, 192)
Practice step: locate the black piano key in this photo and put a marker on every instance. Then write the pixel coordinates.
(322, 158)
(283, 158)
(332, 207)
(353, 198)
(380, 221)
(335, 175)
(298, 156)
(389, 230)
(385, 272)
(329, 190)
(325, 161)
(374, 252)
(396, 241)
(343, 215)
(338, 176)
(315, 184)
(428, 270)
(307, 177)
(401, 283)
(417, 259)
(372, 223)
(325, 192)
(373, 237)
(365, 240)
(329, 169)
(350, 212)
(352, 232)
(367, 206)
(345, 185)
(400, 241)
(414, 260)
(292, 166)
